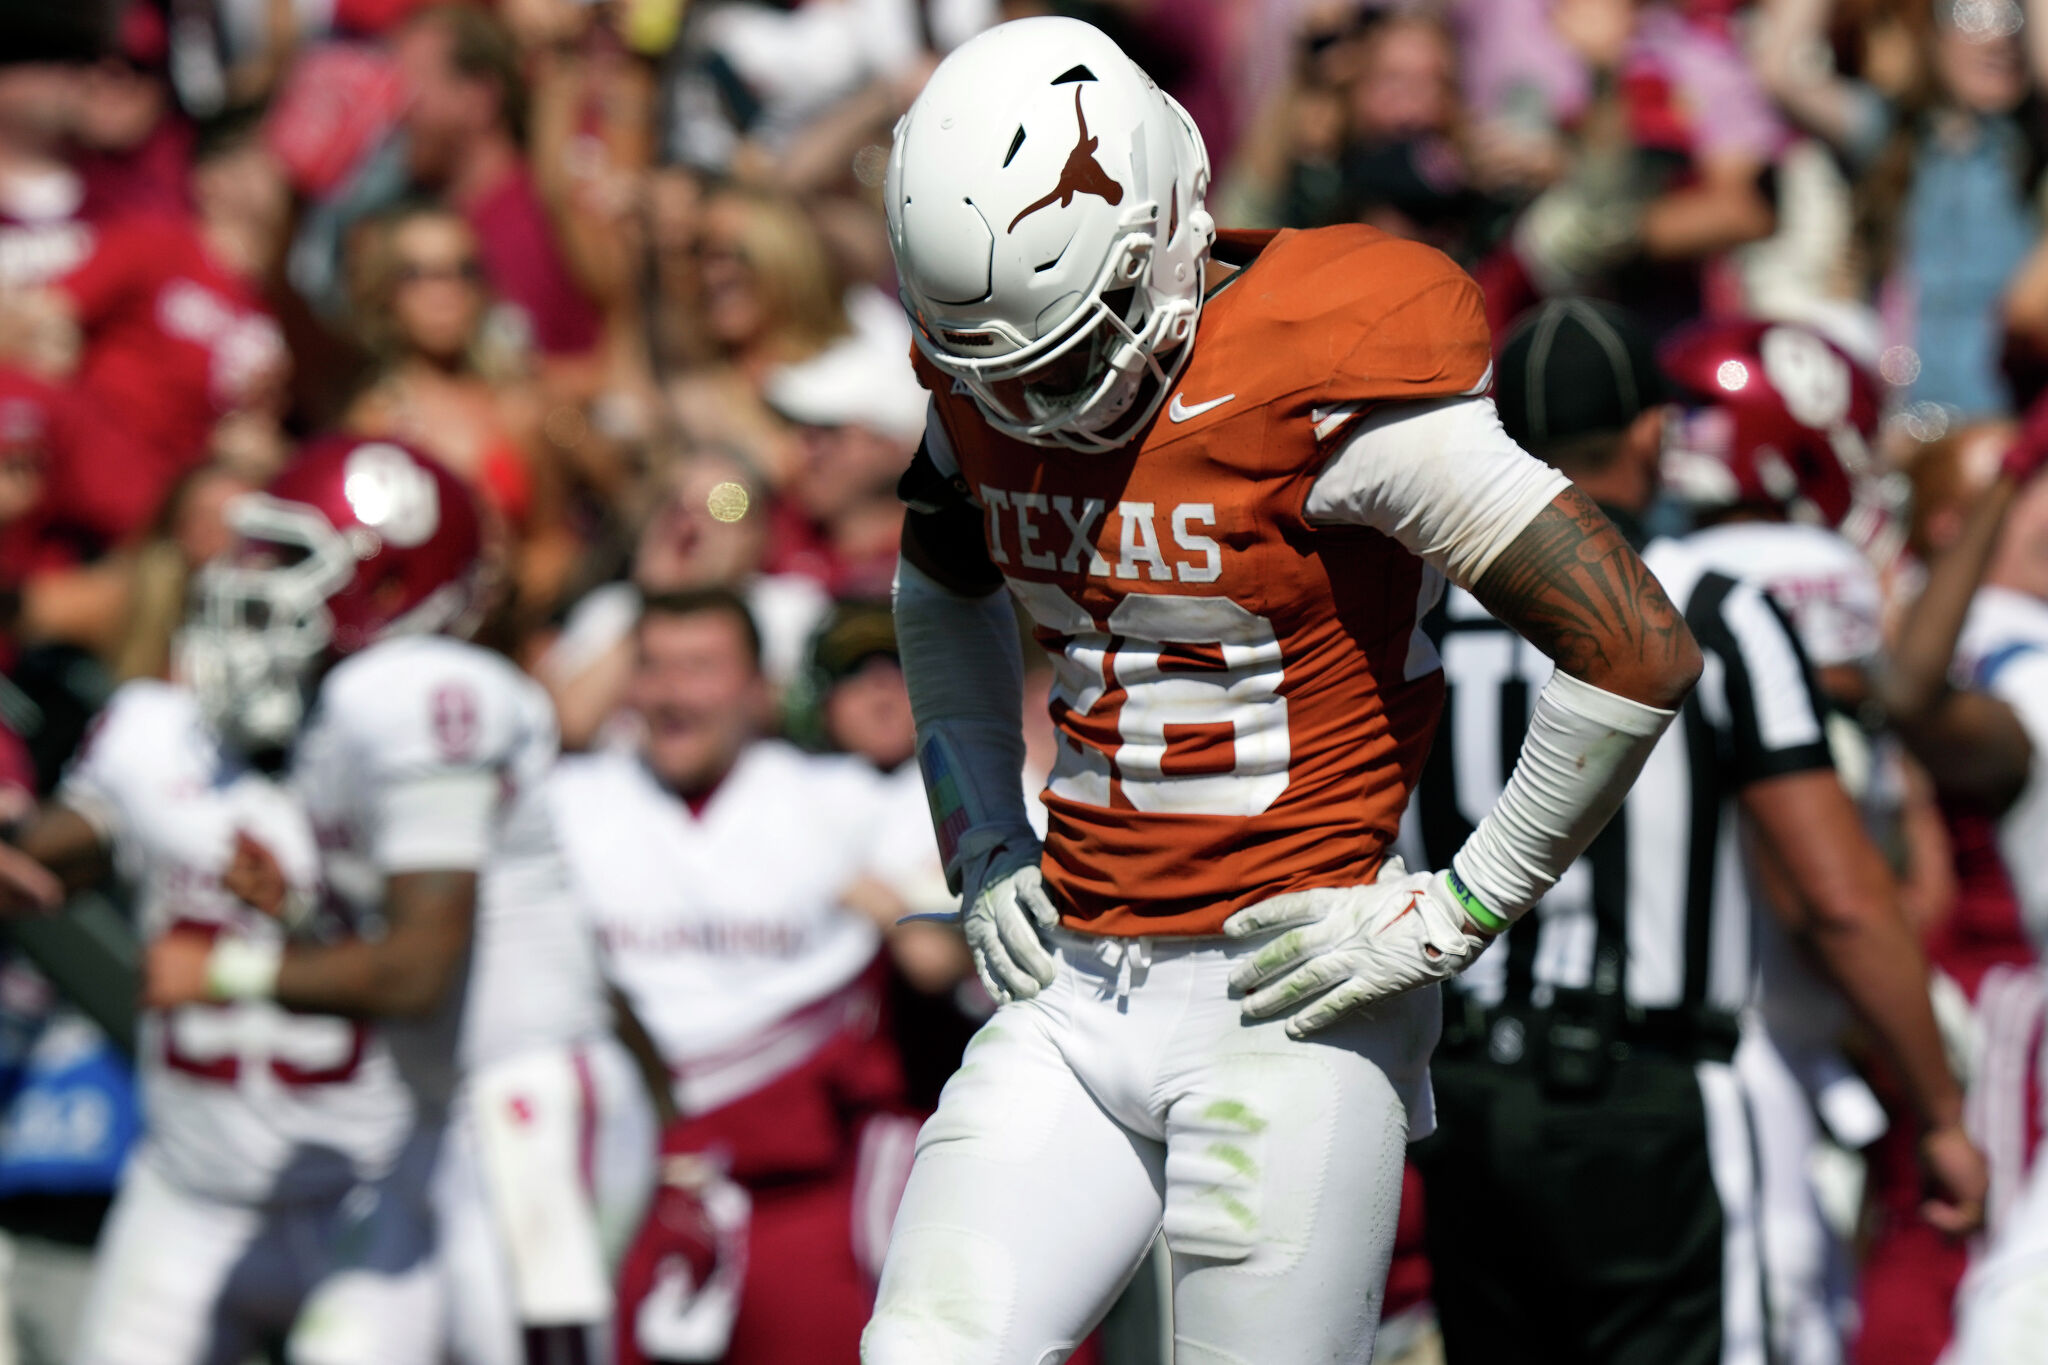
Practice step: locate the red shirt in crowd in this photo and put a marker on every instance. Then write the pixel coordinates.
(525, 266)
(174, 341)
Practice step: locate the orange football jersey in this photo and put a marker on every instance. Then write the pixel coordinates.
(1241, 699)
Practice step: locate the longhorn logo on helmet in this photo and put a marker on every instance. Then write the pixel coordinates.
(1082, 174)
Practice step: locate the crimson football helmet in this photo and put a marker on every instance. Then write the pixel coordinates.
(1045, 205)
(1772, 415)
(355, 542)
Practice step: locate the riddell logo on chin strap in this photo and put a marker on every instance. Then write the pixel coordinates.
(1082, 174)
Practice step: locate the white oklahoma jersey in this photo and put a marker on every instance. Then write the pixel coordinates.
(732, 972)
(2004, 651)
(405, 738)
(534, 1144)
(247, 1103)
(258, 1121)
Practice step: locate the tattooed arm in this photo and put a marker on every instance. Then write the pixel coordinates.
(1569, 583)
(1571, 586)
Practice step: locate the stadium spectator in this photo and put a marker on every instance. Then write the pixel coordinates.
(707, 529)
(450, 382)
(858, 416)
(1665, 167)
(761, 988)
(465, 127)
(134, 144)
(767, 297)
(1947, 168)
(172, 336)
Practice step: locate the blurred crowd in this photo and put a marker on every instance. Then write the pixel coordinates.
(622, 266)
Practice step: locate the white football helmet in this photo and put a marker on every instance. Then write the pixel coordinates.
(1045, 209)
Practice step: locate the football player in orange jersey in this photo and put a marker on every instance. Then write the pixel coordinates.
(1224, 475)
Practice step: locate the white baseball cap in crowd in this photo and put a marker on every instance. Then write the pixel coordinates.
(861, 380)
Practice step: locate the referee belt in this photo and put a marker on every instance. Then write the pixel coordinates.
(1513, 1035)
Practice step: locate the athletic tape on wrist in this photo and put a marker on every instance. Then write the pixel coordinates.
(243, 969)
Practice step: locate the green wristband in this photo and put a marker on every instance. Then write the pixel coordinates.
(1462, 893)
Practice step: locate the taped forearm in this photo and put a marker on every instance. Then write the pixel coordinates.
(965, 674)
(1584, 750)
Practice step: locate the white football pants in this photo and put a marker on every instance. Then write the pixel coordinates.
(1800, 1259)
(432, 1272)
(1132, 1094)
(180, 1279)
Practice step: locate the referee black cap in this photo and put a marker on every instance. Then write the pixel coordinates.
(1572, 368)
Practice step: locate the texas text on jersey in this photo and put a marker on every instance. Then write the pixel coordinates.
(1242, 700)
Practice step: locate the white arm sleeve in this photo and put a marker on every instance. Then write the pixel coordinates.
(1585, 747)
(965, 673)
(2022, 681)
(437, 821)
(1442, 478)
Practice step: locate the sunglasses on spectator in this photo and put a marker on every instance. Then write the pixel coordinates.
(466, 272)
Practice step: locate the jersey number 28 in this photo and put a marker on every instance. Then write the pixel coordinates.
(1170, 705)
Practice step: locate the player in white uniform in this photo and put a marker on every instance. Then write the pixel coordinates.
(421, 765)
(1774, 466)
(259, 1121)
(718, 866)
(1969, 694)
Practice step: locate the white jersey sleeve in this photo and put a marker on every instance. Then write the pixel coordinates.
(138, 744)
(2020, 678)
(435, 734)
(1442, 478)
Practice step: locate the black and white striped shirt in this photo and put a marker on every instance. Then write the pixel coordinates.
(1661, 896)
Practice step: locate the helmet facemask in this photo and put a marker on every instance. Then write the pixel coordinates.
(260, 625)
(263, 622)
(1079, 386)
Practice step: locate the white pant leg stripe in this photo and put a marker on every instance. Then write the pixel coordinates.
(1731, 1153)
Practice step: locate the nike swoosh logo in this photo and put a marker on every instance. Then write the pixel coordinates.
(1181, 412)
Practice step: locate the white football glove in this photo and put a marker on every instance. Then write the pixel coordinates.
(1005, 922)
(1348, 946)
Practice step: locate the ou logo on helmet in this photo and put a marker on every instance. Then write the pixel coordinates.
(391, 493)
(1813, 380)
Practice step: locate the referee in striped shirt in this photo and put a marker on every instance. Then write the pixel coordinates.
(1591, 1189)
